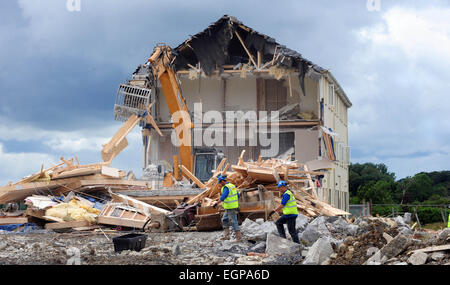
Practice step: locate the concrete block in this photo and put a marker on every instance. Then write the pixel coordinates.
(315, 230)
(437, 256)
(418, 258)
(301, 223)
(276, 245)
(371, 251)
(444, 234)
(319, 252)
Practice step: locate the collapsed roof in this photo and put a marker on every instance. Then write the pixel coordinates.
(220, 44)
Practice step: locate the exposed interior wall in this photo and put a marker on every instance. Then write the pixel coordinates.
(306, 145)
(308, 103)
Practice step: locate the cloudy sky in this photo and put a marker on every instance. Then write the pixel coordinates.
(60, 69)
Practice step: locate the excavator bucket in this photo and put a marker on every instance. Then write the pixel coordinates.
(134, 96)
(130, 100)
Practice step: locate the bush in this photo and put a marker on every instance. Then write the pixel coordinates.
(385, 211)
(426, 215)
(429, 215)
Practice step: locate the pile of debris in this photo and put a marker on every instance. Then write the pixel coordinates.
(71, 195)
(338, 241)
(81, 197)
(257, 180)
(380, 242)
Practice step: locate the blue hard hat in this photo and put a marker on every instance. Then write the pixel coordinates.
(281, 183)
(221, 177)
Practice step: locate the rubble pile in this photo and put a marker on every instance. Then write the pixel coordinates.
(75, 210)
(261, 245)
(263, 175)
(70, 195)
(382, 241)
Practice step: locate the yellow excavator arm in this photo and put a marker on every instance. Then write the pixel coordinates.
(161, 60)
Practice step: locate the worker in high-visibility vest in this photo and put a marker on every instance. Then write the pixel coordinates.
(448, 221)
(290, 212)
(229, 200)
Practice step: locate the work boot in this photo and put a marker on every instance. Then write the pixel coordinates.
(238, 236)
(226, 234)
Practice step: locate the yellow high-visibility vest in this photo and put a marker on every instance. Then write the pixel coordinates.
(291, 206)
(231, 201)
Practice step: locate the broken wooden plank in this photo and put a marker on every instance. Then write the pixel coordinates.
(109, 171)
(65, 225)
(241, 159)
(116, 144)
(76, 172)
(115, 221)
(34, 176)
(246, 50)
(240, 169)
(219, 167)
(150, 120)
(138, 205)
(191, 176)
(35, 212)
(432, 248)
(9, 221)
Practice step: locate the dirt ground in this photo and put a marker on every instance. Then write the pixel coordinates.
(176, 248)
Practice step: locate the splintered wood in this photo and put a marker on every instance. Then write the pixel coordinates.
(247, 175)
(69, 176)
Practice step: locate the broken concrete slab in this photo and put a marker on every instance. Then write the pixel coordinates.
(319, 252)
(316, 229)
(407, 218)
(399, 220)
(259, 221)
(342, 226)
(251, 230)
(301, 223)
(393, 248)
(437, 256)
(276, 245)
(387, 237)
(418, 258)
(444, 234)
(396, 246)
(259, 248)
(371, 251)
(405, 230)
(255, 231)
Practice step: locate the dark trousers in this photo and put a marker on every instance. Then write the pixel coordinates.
(290, 225)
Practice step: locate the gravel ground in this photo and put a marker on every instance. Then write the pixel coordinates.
(187, 248)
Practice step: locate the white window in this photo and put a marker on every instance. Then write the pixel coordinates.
(331, 95)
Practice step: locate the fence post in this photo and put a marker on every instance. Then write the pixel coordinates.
(417, 217)
(443, 217)
(364, 207)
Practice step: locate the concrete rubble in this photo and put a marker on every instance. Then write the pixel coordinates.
(84, 220)
(261, 245)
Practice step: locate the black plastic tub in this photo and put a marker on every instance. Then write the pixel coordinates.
(134, 242)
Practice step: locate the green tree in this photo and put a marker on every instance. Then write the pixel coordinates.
(378, 192)
(363, 174)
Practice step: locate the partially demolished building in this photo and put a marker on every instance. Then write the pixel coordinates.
(232, 69)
